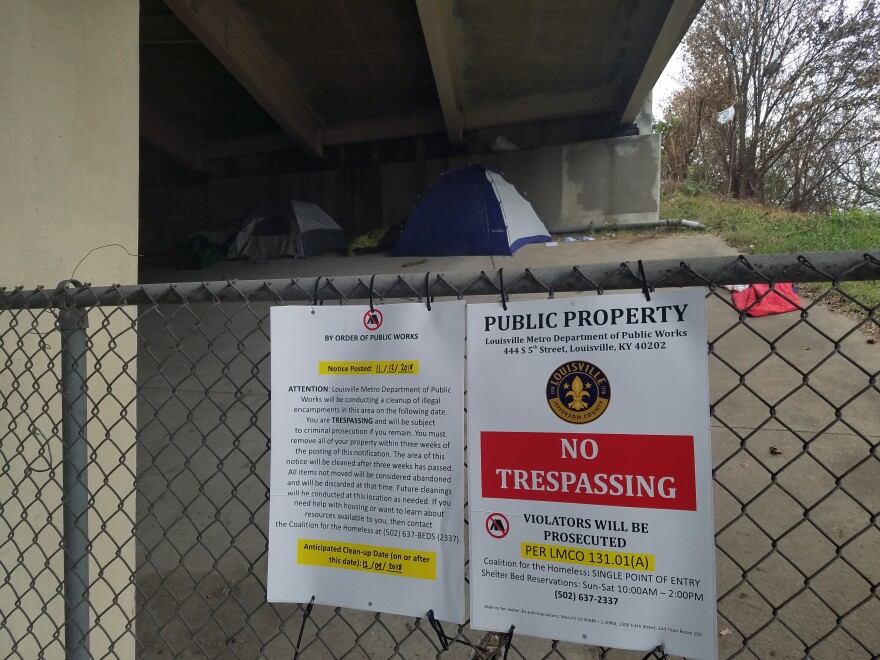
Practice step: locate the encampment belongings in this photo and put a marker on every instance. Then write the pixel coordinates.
(289, 228)
(375, 240)
(764, 299)
(204, 248)
(472, 210)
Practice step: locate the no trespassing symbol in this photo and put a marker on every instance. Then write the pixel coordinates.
(372, 320)
(497, 525)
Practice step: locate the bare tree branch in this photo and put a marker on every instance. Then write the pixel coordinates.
(804, 78)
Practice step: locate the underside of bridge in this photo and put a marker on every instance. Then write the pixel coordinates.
(338, 100)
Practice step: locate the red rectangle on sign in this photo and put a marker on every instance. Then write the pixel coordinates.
(643, 471)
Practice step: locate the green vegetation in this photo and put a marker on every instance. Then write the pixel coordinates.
(753, 228)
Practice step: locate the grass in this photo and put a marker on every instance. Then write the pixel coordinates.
(757, 229)
(753, 228)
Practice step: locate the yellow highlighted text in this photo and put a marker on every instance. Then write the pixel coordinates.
(370, 368)
(368, 558)
(627, 561)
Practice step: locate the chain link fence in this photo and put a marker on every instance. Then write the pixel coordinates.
(134, 442)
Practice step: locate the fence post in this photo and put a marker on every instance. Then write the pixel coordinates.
(74, 415)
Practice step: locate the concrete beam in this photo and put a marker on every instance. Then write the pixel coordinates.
(164, 134)
(386, 129)
(247, 146)
(552, 107)
(678, 20)
(164, 29)
(230, 37)
(446, 62)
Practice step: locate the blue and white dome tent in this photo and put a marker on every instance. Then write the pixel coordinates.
(472, 210)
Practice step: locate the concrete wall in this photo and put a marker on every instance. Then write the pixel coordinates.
(537, 174)
(610, 182)
(572, 187)
(167, 215)
(68, 138)
(350, 196)
(68, 183)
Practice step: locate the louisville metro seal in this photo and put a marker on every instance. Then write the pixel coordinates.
(578, 392)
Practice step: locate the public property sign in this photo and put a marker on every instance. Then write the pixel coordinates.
(589, 461)
(367, 464)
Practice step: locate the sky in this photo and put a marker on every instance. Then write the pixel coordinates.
(668, 83)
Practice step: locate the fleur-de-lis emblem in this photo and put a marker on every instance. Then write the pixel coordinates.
(577, 393)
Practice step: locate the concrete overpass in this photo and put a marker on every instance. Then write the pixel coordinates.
(116, 114)
(274, 91)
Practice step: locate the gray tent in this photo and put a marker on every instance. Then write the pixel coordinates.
(289, 228)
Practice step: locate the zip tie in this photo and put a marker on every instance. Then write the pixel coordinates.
(645, 287)
(428, 290)
(305, 618)
(315, 297)
(441, 635)
(507, 641)
(503, 294)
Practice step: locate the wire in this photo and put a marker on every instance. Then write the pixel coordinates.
(303, 627)
(48, 447)
(100, 247)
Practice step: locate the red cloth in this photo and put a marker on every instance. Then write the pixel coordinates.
(760, 300)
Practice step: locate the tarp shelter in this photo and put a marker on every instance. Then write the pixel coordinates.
(289, 228)
(472, 210)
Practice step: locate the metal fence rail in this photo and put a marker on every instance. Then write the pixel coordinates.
(134, 476)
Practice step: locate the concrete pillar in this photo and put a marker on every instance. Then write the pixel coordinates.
(573, 187)
(68, 184)
(645, 118)
(610, 182)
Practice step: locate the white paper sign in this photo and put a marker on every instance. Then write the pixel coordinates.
(367, 479)
(590, 471)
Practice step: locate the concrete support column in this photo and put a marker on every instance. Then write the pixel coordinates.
(645, 118)
(573, 187)
(68, 184)
(610, 182)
